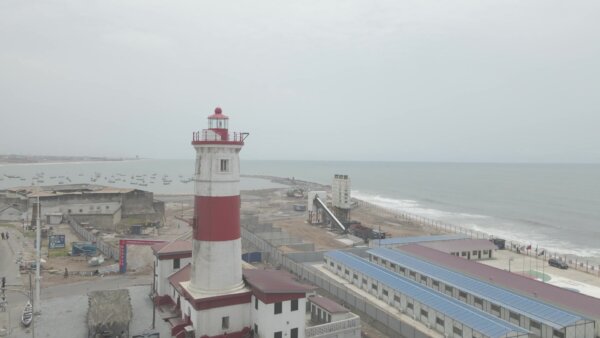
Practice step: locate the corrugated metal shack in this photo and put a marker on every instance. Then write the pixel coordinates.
(109, 314)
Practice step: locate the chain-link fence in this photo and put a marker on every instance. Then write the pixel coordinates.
(108, 250)
(520, 247)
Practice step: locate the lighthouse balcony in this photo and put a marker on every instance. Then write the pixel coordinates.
(218, 136)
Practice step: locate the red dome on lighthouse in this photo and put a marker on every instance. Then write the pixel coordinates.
(218, 115)
(218, 131)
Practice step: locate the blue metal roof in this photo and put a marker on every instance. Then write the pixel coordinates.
(418, 239)
(479, 321)
(529, 307)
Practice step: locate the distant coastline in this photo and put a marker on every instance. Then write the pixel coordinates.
(26, 159)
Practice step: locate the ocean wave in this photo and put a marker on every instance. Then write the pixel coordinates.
(412, 207)
(514, 233)
(517, 232)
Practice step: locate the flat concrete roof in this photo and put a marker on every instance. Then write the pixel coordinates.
(418, 239)
(171, 248)
(274, 281)
(328, 304)
(458, 245)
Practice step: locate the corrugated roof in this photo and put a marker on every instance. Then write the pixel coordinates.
(274, 281)
(479, 321)
(418, 239)
(328, 304)
(106, 307)
(67, 189)
(457, 245)
(531, 308)
(574, 301)
(174, 247)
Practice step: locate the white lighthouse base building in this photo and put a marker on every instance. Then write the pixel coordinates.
(218, 315)
(270, 304)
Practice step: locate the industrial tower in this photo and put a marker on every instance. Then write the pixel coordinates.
(340, 197)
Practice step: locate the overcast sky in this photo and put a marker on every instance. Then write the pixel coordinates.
(397, 80)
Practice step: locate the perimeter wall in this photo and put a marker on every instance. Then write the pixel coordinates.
(373, 314)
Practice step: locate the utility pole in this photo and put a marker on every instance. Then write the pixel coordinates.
(153, 296)
(33, 304)
(38, 256)
(543, 263)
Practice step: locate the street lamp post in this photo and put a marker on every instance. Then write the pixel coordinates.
(510, 259)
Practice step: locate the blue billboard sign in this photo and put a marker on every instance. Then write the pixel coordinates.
(56, 241)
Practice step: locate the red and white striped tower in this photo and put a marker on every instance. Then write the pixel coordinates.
(217, 247)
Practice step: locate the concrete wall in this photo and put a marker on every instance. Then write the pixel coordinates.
(273, 235)
(87, 206)
(278, 238)
(348, 328)
(208, 322)
(317, 256)
(307, 247)
(472, 254)
(105, 222)
(11, 214)
(159, 207)
(164, 269)
(8, 199)
(137, 202)
(248, 218)
(101, 211)
(54, 202)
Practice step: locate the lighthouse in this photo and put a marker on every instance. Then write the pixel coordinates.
(216, 293)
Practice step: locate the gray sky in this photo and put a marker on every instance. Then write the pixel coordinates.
(397, 80)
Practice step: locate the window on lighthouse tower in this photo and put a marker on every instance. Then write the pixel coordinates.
(224, 165)
(218, 123)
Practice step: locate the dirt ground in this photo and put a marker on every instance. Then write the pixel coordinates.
(271, 206)
(274, 206)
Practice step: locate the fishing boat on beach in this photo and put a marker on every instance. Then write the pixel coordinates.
(27, 316)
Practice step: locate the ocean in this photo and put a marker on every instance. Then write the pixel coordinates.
(550, 206)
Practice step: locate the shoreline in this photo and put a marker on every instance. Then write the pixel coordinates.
(579, 262)
(6, 164)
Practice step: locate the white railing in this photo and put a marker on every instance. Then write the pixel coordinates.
(211, 136)
(333, 327)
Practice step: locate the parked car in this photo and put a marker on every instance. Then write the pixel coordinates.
(499, 242)
(557, 264)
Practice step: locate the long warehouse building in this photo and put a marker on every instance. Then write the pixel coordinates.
(437, 311)
(540, 318)
(580, 303)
